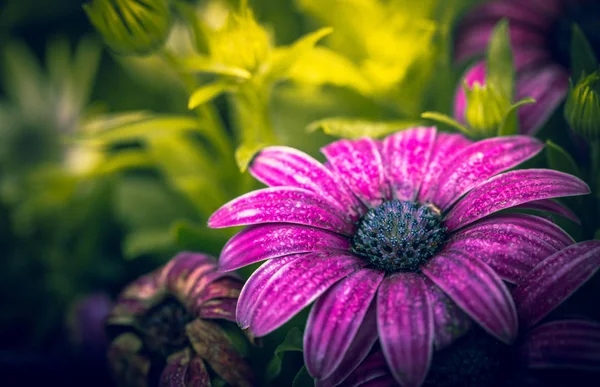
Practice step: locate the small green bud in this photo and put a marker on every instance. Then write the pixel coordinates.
(136, 27)
(582, 110)
(486, 109)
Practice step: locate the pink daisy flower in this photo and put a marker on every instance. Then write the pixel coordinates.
(398, 240)
(550, 354)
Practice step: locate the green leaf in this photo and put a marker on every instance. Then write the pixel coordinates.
(202, 64)
(245, 152)
(356, 128)
(136, 126)
(597, 235)
(583, 59)
(510, 124)
(303, 378)
(292, 342)
(444, 119)
(124, 160)
(322, 65)
(189, 13)
(207, 92)
(500, 66)
(560, 160)
(284, 58)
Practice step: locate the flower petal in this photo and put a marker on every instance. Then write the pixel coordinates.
(285, 166)
(478, 291)
(446, 145)
(197, 374)
(572, 344)
(548, 86)
(472, 39)
(296, 285)
(359, 349)
(255, 286)
(219, 308)
(511, 244)
(222, 287)
(211, 344)
(511, 189)
(553, 280)
(406, 155)
(281, 204)
(257, 243)
(358, 164)
(551, 206)
(187, 272)
(480, 161)
(373, 367)
(449, 321)
(405, 326)
(175, 372)
(334, 320)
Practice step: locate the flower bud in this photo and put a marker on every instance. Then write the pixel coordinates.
(479, 104)
(582, 110)
(131, 26)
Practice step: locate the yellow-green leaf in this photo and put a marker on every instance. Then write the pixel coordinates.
(204, 65)
(245, 152)
(444, 119)
(284, 58)
(355, 128)
(510, 124)
(207, 92)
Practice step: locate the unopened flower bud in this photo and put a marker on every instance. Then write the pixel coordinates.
(582, 110)
(131, 26)
(486, 109)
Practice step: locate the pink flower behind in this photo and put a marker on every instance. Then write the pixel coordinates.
(395, 240)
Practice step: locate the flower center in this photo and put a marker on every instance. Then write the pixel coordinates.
(164, 327)
(586, 14)
(477, 359)
(399, 235)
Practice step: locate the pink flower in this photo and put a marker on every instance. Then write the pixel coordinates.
(478, 359)
(396, 240)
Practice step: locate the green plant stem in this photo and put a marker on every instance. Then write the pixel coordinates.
(205, 112)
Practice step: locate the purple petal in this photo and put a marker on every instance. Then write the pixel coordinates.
(572, 344)
(359, 165)
(284, 166)
(513, 10)
(381, 381)
(472, 40)
(255, 286)
(281, 204)
(405, 156)
(511, 189)
(405, 326)
(511, 244)
(197, 374)
(553, 280)
(548, 86)
(373, 367)
(334, 320)
(445, 147)
(359, 349)
(296, 285)
(257, 243)
(480, 161)
(182, 272)
(449, 321)
(551, 206)
(220, 308)
(479, 292)
(475, 74)
(222, 286)
(174, 373)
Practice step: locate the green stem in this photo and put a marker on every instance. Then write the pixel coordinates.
(595, 177)
(205, 112)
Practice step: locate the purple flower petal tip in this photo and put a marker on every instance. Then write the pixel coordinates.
(555, 279)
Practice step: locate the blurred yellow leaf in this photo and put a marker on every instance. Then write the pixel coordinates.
(207, 92)
(355, 128)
